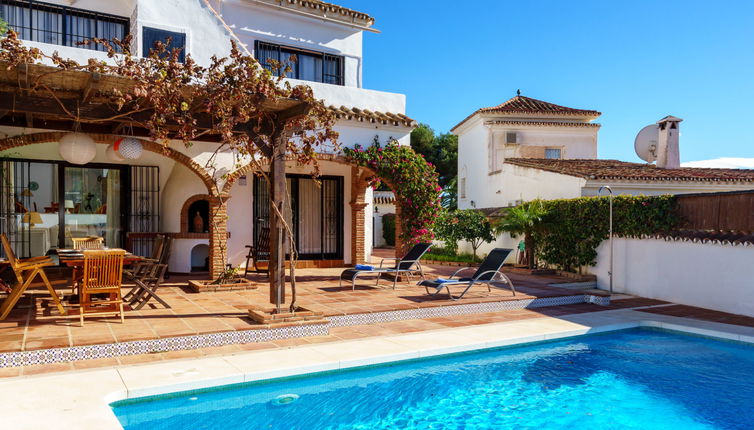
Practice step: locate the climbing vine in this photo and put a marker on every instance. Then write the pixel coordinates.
(413, 179)
(573, 228)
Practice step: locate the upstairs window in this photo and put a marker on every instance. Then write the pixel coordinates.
(552, 153)
(61, 25)
(310, 65)
(152, 35)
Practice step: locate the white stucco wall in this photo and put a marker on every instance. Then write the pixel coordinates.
(479, 142)
(515, 184)
(711, 276)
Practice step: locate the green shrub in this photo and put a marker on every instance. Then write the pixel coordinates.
(388, 229)
(445, 254)
(470, 225)
(573, 228)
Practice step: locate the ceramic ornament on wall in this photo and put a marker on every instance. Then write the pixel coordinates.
(129, 148)
(77, 148)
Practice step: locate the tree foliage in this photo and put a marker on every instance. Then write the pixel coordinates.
(182, 100)
(526, 220)
(442, 151)
(170, 98)
(470, 225)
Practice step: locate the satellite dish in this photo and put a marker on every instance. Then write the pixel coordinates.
(645, 143)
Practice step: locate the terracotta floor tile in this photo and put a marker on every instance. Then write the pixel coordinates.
(187, 353)
(46, 368)
(10, 372)
(98, 362)
(137, 359)
(54, 342)
(257, 346)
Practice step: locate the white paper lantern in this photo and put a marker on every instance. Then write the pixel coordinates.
(77, 148)
(129, 148)
(112, 154)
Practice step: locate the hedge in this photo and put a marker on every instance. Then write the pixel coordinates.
(388, 229)
(573, 228)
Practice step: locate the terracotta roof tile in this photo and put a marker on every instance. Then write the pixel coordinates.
(364, 115)
(528, 105)
(522, 104)
(384, 198)
(622, 170)
(325, 9)
(545, 123)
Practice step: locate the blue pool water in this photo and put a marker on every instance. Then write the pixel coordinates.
(635, 379)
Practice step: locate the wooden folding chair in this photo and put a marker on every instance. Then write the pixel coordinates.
(26, 270)
(260, 252)
(89, 242)
(103, 272)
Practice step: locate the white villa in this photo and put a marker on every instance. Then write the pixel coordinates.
(130, 201)
(535, 149)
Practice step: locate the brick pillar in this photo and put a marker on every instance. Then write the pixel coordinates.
(358, 213)
(218, 234)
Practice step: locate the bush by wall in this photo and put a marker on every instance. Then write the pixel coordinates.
(573, 228)
(388, 229)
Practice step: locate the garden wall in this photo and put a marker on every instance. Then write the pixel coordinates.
(708, 275)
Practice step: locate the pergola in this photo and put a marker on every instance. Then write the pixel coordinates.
(50, 98)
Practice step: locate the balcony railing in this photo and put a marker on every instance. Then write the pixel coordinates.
(61, 25)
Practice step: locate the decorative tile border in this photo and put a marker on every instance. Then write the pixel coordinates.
(465, 309)
(178, 343)
(88, 352)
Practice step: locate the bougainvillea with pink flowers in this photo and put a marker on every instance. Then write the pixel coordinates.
(412, 179)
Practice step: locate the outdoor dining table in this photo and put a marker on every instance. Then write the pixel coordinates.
(74, 259)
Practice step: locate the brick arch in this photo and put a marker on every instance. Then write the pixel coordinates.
(46, 137)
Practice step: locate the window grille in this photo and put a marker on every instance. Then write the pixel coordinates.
(309, 65)
(61, 25)
(150, 36)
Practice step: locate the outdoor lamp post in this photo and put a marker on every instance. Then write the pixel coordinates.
(610, 198)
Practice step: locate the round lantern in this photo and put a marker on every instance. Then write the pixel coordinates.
(129, 148)
(112, 154)
(77, 148)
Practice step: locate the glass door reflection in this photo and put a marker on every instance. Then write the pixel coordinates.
(92, 201)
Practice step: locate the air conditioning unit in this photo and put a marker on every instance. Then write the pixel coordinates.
(511, 137)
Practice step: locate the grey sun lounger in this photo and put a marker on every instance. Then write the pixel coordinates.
(407, 265)
(487, 273)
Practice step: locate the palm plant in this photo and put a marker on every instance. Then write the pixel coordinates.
(525, 219)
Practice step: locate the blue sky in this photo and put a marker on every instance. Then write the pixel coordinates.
(634, 61)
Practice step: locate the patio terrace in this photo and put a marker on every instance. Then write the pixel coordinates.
(35, 327)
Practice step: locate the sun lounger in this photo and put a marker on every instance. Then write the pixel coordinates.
(407, 265)
(487, 273)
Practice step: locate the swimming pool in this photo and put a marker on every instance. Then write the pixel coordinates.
(633, 379)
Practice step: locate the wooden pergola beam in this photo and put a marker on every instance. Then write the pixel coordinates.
(58, 99)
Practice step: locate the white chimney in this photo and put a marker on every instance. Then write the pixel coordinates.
(668, 155)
